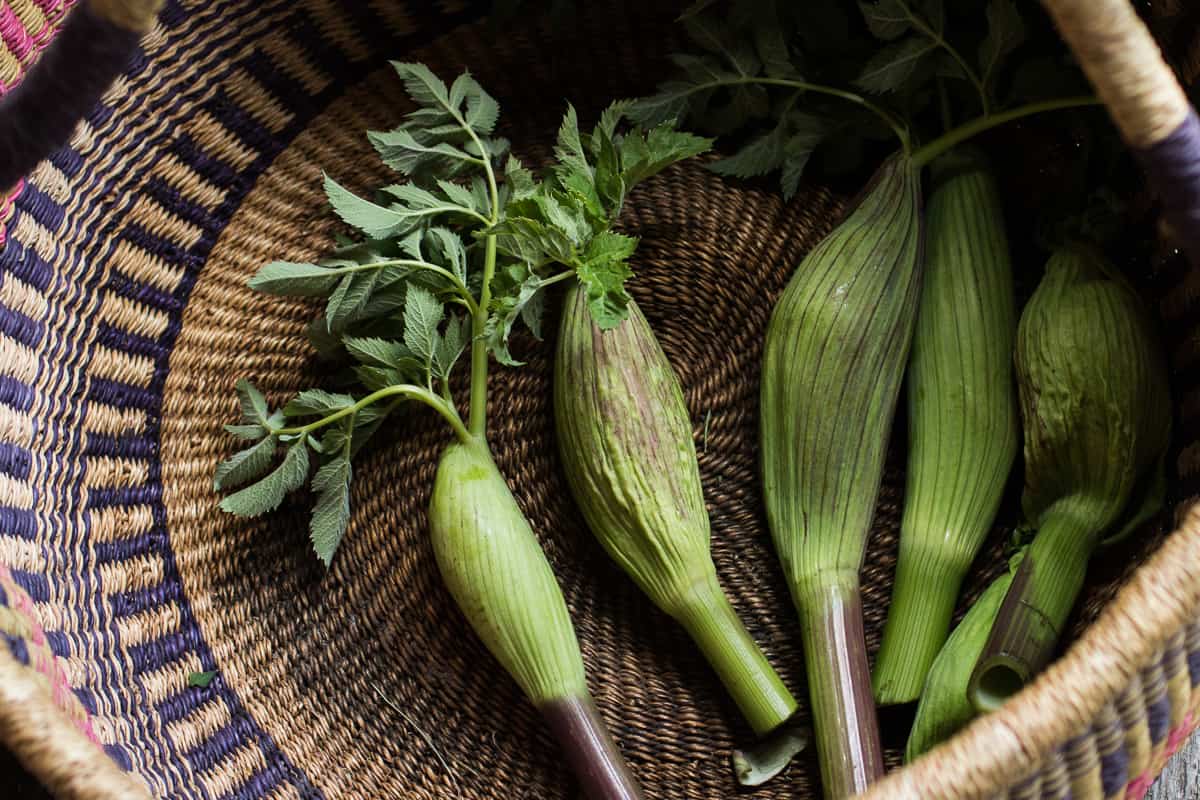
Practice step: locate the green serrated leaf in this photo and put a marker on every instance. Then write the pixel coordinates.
(422, 85)
(266, 495)
(533, 310)
(568, 148)
(254, 405)
(450, 345)
(533, 242)
(609, 181)
(519, 179)
(294, 279)
(245, 465)
(366, 423)
(422, 314)
(326, 344)
(482, 108)
(450, 249)
(772, 50)
(458, 194)
(644, 155)
(316, 402)
(410, 245)
(710, 33)
(413, 198)
(376, 378)
(760, 156)
(611, 116)
(349, 298)
(331, 512)
(670, 102)
(377, 352)
(248, 432)
(886, 19)
(373, 220)
(1006, 32)
(402, 151)
(602, 273)
(890, 69)
(516, 288)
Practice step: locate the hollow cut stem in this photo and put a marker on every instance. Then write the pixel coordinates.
(839, 684)
(754, 685)
(918, 622)
(1034, 612)
(589, 749)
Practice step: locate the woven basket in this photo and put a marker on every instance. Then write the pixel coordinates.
(125, 319)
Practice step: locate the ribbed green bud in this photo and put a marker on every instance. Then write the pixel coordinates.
(962, 417)
(496, 571)
(1097, 420)
(626, 443)
(945, 706)
(835, 353)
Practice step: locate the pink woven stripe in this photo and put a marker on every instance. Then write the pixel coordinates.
(1137, 788)
(43, 660)
(1180, 734)
(49, 7)
(13, 33)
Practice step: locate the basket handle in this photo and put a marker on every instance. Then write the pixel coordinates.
(91, 50)
(1153, 114)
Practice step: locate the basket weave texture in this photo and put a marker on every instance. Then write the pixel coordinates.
(125, 320)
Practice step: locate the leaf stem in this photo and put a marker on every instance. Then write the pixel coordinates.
(928, 152)
(402, 389)
(562, 276)
(459, 286)
(896, 125)
(479, 348)
(939, 40)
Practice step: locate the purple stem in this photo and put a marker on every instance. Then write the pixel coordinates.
(590, 751)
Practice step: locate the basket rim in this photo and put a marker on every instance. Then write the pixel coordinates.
(1159, 600)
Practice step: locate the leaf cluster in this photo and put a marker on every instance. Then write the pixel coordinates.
(561, 226)
(781, 80)
(399, 300)
(448, 257)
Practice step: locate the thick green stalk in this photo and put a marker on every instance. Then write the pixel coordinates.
(738, 661)
(962, 417)
(477, 420)
(497, 573)
(626, 443)
(1035, 610)
(924, 596)
(927, 153)
(945, 705)
(1097, 419)
(835, 352)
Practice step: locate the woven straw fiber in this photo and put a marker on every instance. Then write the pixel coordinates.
(125, 320)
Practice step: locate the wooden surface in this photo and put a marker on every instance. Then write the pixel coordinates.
(1180, 780)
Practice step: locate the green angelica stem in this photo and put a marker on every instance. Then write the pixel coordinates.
(477, 421)
(712, 623)
(948, 141)
(498, 574)
(839, 684)
(403, 390)
(1035, 610)
(922, 608)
